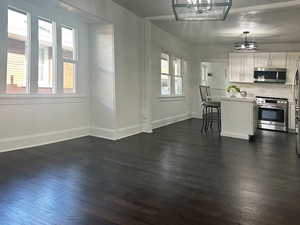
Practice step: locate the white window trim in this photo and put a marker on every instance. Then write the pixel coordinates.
(172, 96)
(74, 61)
(32, 64)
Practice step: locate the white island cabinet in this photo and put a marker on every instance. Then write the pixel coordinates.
(239, 117)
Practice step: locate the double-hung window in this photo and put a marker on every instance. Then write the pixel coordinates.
(54, 74)
(171, 75)
(165, 75)
(178, 80)
(17, 52)
(46, 77)
(69, 55)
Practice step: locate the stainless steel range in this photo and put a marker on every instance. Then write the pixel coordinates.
(272, 113)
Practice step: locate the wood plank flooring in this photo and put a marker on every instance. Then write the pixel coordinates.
(175, 176)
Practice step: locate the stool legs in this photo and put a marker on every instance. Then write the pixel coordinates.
(208, 118)
(203, 118)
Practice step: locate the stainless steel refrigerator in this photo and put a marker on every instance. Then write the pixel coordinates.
(297, 103)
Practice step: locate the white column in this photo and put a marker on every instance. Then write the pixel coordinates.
(147, 81)
(3, 45)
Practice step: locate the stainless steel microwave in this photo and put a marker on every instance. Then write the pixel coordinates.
(270, 75)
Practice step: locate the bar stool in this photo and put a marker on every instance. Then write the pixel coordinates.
(208, 107)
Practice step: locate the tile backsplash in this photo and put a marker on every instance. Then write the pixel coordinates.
(269, 90)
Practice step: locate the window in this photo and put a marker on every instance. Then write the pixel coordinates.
(17, 52)
(171, 76)
(69, 59)
(45, 75)
(165, 75)
(177, 68)
(53, 73)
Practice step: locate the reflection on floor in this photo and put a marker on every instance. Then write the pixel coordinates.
(174, 176)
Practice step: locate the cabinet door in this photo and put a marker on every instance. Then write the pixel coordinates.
(261, 59)
(278, 60)
(248, 67)
(293, 61)
(235, 64)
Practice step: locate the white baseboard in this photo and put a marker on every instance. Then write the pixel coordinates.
(235, 135)
(196, 115)
(129, 131)
(15, 143)
(170, 120)
(103, 133)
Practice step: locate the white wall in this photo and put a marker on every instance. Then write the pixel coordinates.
(169, 110)
(118, 61)
(132, 72)
(32, 120)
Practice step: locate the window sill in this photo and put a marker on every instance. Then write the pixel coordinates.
(172, 98)
(39, 96)
(40, 99)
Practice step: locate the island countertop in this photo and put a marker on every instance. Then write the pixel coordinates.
(238, 99)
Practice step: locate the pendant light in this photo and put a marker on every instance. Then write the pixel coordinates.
(199, 10)
(246, 44)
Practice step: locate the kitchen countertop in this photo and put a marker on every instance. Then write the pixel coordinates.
(239, 99)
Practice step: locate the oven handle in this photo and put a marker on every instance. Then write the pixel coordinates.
(272, 107)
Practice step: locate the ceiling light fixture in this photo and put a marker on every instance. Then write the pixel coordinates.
(199, 10)
(245, 44)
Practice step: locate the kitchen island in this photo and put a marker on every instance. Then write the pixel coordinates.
(239, 119)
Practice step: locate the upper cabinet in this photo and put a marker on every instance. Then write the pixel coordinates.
(270, 60)
(293, 63)
(241, 67)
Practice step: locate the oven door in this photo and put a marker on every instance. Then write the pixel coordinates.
(272, 117)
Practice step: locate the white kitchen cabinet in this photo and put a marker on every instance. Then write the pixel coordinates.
(270, 60)
(261, 59)
(293, 61)
(278, 60)
(241, 67)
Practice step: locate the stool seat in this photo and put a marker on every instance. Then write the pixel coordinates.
(212, 104)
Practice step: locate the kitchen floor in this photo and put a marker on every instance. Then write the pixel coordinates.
(175, 176)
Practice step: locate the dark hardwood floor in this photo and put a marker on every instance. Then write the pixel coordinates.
(175, 176)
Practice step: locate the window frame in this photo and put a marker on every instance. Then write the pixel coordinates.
(172, 75)
(165, 74)
(54, 56)
(28, 47)
(32, 54)
(73, 61)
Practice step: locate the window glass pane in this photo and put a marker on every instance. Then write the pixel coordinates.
(17, 52)
(178, 86)
(165, 85)
(68, 42)
(45, 82)
(164, 63)
(177, 66)
(69, 77)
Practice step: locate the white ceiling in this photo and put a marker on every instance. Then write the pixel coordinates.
(270, 21)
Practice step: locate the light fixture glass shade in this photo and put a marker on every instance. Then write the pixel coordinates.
(245, 44)
(199, 10)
